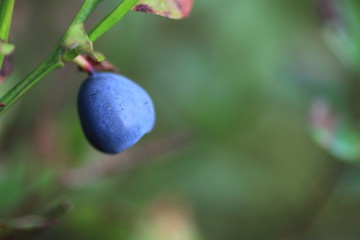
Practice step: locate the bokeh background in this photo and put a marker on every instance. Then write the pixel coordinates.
(256, 134)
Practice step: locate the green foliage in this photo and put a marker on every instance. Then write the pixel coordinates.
(6, 48)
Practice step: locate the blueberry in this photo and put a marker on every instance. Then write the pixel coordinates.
(114, 111)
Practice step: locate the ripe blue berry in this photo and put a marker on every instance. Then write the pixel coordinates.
(114, 111)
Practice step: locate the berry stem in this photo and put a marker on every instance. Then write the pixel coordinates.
(84, 64)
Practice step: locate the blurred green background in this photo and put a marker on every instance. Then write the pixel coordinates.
(232, 154)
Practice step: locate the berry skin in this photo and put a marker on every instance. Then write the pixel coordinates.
(114, 111)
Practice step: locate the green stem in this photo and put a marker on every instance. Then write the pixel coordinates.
(6, 10)
(110, 20)
(52, 62)
(86, 9)
(23, 86)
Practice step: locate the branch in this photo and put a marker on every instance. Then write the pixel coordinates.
(52, 62)
(110, 20)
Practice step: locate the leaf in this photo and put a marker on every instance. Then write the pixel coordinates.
(77, 39)
(6, 68)
(98, 56)
(334, 132)
(6, 65)
(34, 222)
(175, 9)
(6, 48)
(341, 30)
(98, 65)
(77, 42)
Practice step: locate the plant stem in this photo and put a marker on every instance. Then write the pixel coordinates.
(86, 9)
(23, 86)
(81, 61)
(110, 20)
(52, 62)
(6, 10)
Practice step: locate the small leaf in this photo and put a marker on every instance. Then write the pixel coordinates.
(95, 64)
(334, 132)
(34, 222)
(77, 38)
(77, 42)
(6, 68)
(6, 48)
(98, 56)
(175, 9)
(341, 29)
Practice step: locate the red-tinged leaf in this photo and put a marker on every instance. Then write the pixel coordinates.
(6, 68)
(99, 66)
(32, 223)
(175, 9)
(335, 132)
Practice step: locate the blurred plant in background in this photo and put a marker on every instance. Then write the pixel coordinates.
(233, 154)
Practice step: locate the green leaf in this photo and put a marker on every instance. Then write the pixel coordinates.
(98, 56)
(77, 42)
(335, 132)
(6, 48)
(342, 32)
(175, 9)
